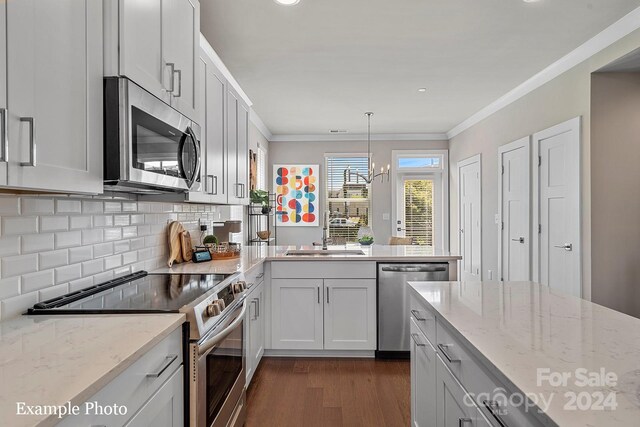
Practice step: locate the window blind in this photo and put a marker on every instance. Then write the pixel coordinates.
(418, 211)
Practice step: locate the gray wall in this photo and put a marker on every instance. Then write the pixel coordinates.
(313, 153)
(615, 191)
(561, 99)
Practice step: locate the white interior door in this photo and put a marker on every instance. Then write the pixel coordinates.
(469, 217)
(557, 181)
(515, 211)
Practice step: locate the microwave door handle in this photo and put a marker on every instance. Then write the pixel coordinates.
(215, 340)
(196, 144)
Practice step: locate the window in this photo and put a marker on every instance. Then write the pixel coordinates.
(419, 162)
(418, 211)
(347, 198)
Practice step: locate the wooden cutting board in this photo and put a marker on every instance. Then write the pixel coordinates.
(187, 245)
(175, 243)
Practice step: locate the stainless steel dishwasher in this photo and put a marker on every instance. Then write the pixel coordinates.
(393, 302)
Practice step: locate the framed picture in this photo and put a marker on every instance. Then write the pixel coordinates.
(296, 188)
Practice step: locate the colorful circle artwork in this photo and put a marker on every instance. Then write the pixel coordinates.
(296, 188)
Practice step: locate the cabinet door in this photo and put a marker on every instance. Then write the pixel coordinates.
(243, 152)
(350, 314)
(3, 96)
(181, 41)
(54, 70)
(141, 54)
(256, 330)
(296, 314)
(215, 160)
(165, 408)
(423, 379)
(233, 184)
(453, 410)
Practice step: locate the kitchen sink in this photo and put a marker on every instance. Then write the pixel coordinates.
(315, 252)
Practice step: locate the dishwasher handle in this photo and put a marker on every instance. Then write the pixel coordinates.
(420, 269)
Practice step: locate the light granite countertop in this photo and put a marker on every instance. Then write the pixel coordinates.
(516, 328)
(53, 360)
(251, 256)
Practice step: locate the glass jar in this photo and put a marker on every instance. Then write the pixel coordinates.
(365, 235)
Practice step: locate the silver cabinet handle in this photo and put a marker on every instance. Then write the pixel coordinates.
(4, 143)
(494, 409)
(444, 349)
(235, 189)
(213, 189)
(567, 247)
(318, 294)
(256, 309)
(179, 73)
(32, 142)
(519, 239)
(418, 343)
(168, 361)
(328, 295)
(418, 316)
(172, 66)
(463, 421)
(260, 276)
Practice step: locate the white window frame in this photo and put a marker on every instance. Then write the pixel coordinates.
(325, 193)
(441, 225)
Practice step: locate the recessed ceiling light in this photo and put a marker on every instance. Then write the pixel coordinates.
(531, 1)
(287, 2)
(422, 89)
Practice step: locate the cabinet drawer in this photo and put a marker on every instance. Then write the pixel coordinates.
(255, 276)
(484, 388)
(424, 318)
(133, 387)
(323, 270)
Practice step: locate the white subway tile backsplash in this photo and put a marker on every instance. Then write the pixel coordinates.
(103, 277)
(112, 234)
(36, 243)
(36, 206)
(9, 246)
(121, 246)
(67, 239)
(137, 219)
(92, 206)
(68, 206)
(120, 220)
(76, 285)
(129, 257)
(137, 243)
(18, 265)
(92, 236)
(53, 292)
(80, 222)
(122, 271)
(12, 307)
(111, 207)
(68, 273)
(36, 281)
(129, 206)
(19, 225)
(102, 250)
(112, 262)
(9, 205)
(103, 221)
(79, 254)
(9, 287)
(144, 230)
(91, 268)
(53, 259)
(54, 223)
(129, 232)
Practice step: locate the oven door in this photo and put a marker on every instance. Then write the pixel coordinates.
(218, 380)
(163, 148)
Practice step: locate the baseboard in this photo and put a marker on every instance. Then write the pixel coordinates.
(320, 353)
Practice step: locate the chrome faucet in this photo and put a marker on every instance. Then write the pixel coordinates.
(325, 239)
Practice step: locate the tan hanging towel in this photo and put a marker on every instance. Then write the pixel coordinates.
(175, 243)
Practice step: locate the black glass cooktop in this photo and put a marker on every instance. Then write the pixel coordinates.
(137, 292)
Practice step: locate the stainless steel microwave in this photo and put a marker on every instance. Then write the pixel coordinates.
(149, 147)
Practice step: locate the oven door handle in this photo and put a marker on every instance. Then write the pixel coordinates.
(215, 340)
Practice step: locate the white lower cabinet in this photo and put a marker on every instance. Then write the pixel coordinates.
(349, 314)
(323, 314)
(296, 314)
(254, 327)
(423, 379)
(453, 409)
(165, 408)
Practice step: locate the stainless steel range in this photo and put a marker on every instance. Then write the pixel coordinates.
(215, 307)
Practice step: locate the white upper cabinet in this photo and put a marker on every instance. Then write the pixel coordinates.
(238, 145)
(54, 111)
(3, 97)
(155, 43)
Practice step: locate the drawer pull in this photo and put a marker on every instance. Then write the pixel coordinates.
(418, 316)
(415, 339)
(444, 349)
(494, 408)
(260, 276)
(463, 421)
(168, 361)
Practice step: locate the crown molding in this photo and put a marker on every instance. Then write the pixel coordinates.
(360, 137)
(259, 124)
(619, 29)
(217, 61)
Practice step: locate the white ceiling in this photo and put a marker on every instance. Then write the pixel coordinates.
(321, 64)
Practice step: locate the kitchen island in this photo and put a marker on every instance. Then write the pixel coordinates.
(523, 354)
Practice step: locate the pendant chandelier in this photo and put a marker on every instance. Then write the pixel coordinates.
(371, 174)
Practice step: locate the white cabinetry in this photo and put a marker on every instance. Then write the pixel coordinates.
(327, 312)
(296, 314)
(151, 389)
(238, 148)
(349, 314)
(155, 43)
(3, 97)
(255, 329)
(52, 62)
(453, 409)
(423, 379)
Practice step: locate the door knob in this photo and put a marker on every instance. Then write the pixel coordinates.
(567, 247)
(520, 239)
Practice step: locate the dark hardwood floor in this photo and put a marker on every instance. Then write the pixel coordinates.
(292, 392)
